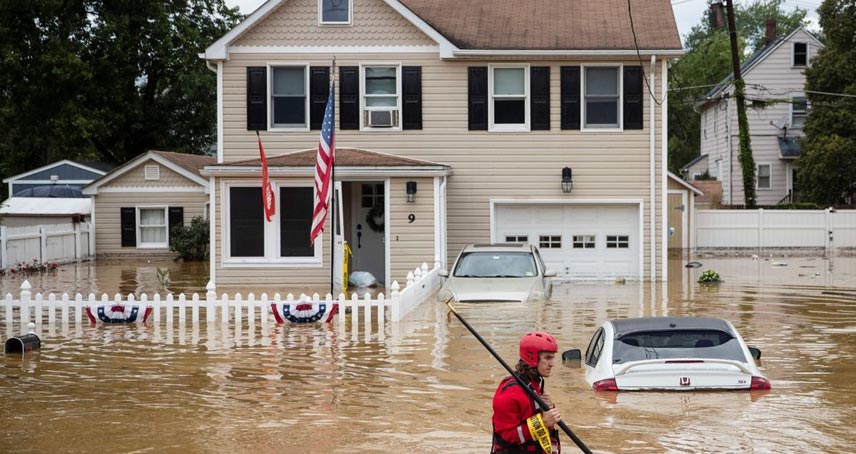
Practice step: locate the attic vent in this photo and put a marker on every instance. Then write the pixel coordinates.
(152, 173)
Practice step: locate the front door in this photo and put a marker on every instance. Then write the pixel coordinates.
(338, 240)
(368, 228)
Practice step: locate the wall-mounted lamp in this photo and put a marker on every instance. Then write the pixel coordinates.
(567, 180)
(411, 191)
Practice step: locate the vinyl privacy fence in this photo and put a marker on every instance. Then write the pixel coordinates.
(46, 243)
(827, 229)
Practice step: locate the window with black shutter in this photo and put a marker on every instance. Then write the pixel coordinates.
(570, 96)
(633, 97)
(509, 95)
(295, 221)
(411, 81)
(128, 218)
(349, 97)
(602, 98)
(288, 92)
(539, 81)
(477, 98)
(319, 89)
(246, 222)
(256, 98)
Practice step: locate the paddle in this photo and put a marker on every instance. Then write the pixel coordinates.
(520, 381)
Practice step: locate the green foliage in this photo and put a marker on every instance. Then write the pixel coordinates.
(190, 242)
(708, 276)
(747, 162)
(706, 176)
(796, 206)
(827, 165)
(96, 80)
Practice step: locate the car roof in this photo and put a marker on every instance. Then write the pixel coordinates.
(629, 325)
(498, 247)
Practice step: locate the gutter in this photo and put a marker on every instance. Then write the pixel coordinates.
(255, 171)
(566, 53)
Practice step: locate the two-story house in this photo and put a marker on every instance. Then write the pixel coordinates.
(541, 122)
(776, 110)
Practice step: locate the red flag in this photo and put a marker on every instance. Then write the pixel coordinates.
(268, 201)
(323, 170)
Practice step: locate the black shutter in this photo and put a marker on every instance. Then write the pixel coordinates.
(129, 227)
(633, 97)
(539, 87)
(176, 217)
(349, 97)
(477, 98)
(411, 90)
(319, 90)
(570, 87)
(256, 98)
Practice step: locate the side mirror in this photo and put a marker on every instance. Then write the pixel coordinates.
(573, 354)
(550, 273)
(443, 273)
(756, 353)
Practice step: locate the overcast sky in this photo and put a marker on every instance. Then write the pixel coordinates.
(687, 12)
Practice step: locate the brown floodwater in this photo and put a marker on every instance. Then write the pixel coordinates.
(426, 386)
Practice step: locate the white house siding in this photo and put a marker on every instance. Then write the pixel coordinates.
(411, 244)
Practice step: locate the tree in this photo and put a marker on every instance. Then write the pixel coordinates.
(827, 165)
(104, 80)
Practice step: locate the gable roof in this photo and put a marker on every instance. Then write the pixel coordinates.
(88, 166)
(693, 162)
(187, 165)
(476, 27)
(683, 183)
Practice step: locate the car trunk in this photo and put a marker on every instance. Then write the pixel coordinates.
(681, 375)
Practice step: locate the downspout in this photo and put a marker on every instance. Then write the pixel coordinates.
(664, 164)
(651, 182)
(218, 69)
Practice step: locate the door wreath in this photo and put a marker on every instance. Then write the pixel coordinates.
(374, 218)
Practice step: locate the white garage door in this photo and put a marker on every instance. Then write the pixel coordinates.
(579, 241)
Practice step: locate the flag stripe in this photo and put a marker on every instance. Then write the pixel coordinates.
(323, 169)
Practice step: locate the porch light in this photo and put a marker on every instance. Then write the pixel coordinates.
(567, 180)
(411, 191)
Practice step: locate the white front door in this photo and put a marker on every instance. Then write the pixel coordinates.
(368, 227)
(339, 239)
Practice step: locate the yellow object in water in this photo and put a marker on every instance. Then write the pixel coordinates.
(346, 260)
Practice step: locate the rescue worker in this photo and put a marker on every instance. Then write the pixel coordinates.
(519, 425)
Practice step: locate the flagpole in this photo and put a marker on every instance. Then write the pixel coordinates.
(333, 194)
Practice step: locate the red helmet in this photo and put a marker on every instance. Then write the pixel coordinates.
(533, 343)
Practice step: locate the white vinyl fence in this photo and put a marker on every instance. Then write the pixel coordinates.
(46, 243)
(376, 313)
(826, 229)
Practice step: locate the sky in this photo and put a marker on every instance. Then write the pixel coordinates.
(687, 12)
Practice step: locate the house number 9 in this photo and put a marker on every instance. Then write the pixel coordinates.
(411, 217)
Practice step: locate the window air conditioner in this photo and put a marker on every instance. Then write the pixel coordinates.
(386, 118)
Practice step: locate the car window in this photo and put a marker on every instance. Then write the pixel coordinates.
(594, 349)
(671, 344)
(496, 264)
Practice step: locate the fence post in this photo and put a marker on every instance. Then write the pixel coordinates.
(760, 229)
(43, 244)
(827, 242)
(210, 298)
(395, 301)
(77, 248)
(3, 254)
(91, 232)
(25, 305)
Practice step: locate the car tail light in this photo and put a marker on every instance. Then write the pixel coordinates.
(759, 383)
(610, 385)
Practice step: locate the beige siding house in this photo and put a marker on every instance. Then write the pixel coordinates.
(775, 85)
(137, 204)
(483, 118)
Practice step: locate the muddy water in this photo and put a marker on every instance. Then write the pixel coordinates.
(426, 387)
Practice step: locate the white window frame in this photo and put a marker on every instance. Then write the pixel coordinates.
(550, 241)
(322, 23)
(139, 228)
(270, 67)
(584, 242)
(155, 169)
(618, 67)
(271, 257)
(758, 173)
(526, 125)
(793, 52)
(804, 113)
(517, 239)
(363, 94)
(618, 241)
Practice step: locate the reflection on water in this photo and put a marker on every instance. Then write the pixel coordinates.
(426, 387)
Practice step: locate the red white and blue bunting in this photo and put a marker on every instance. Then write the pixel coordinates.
(118, 313)
(304, 311)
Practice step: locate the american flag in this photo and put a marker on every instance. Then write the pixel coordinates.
(323, 170)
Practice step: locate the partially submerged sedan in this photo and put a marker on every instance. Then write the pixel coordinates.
(670, 353)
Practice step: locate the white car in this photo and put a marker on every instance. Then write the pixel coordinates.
(497, 272)
(670, 353)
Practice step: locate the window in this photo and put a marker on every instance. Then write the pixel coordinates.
(371, 195)
(152, 227)
(594, 348)
(516, 239)
(799, 111)
(764, 176)
(584, 241)
(550, 241)
(381, 100)
(295, 221)
(334, 12)
(289, 103)
(800, 54)
(617, 241)
(246, 223)
(152, 173)
(602, 97)
(509, 103)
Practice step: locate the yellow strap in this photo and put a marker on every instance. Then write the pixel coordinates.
(539, 432)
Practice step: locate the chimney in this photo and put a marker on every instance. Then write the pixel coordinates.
(770, 31)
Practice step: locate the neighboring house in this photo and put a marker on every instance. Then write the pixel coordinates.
(138, 203)
(75, 174)
(776, 109)
(35, 211)
(472, 110)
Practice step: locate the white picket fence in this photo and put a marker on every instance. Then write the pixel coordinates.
(45, 243)
(376, 313)
(827, 229)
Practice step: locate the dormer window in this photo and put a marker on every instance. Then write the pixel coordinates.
(800, 54)
(334, 12)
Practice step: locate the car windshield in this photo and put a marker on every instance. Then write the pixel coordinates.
(674, 344)
(496, 264)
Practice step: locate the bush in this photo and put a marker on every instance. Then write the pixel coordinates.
(709, 276)
(190, 242)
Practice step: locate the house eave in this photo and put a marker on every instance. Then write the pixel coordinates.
(567, 52)
(341, 172)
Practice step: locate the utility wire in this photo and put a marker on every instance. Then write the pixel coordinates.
(639, 55)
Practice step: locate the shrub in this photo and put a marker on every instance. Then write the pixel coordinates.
(709, 276)
(190, 242)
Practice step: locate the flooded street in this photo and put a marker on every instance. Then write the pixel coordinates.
(426, 387)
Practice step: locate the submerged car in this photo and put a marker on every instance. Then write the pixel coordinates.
(497, 272)
(670, 353)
